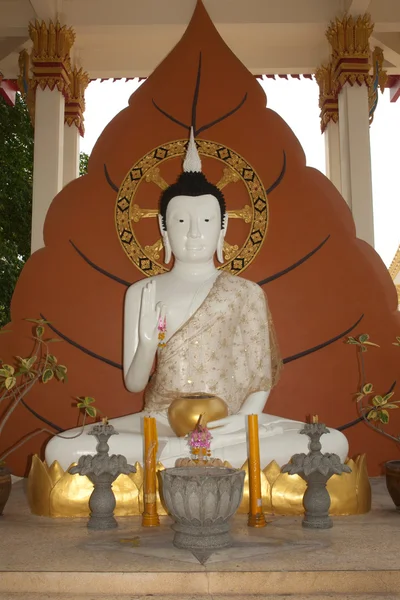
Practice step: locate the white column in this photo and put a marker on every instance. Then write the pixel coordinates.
(47, 159)
(355, 158)
(332, 154)
(71, 153)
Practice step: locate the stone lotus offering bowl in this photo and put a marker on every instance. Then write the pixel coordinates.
(201, 500)
(185, 410)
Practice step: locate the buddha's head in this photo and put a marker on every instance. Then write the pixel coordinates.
(193, 219)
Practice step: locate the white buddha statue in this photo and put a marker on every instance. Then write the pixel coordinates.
(219, 340)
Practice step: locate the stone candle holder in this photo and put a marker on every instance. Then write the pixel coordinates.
(316, 469)
(102, 469)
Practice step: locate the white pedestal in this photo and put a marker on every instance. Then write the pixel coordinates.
(48, 158)
(332, 154)
(355, 158)
(71, 153)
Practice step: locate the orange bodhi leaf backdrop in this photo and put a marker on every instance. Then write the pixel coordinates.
(321, 281)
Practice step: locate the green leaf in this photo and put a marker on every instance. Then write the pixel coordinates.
(91, 411)
(351, 340)
(391, 406)
(363, 348)
(372, 415)
(61, 372)
(31, 361)
(38, 321)
(363, 338)
(378, 401)
(87, 400)
(47, 375)
(367, 388)
(10, 382)
(371, 344)
(384, 416)
(52, 340)
(51, 358)
(388, 396)
(8, 368)
(39, 331)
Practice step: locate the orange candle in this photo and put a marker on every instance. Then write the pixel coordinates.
(150, 516)
(256, 515)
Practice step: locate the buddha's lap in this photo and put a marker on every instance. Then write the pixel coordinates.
(231, 447)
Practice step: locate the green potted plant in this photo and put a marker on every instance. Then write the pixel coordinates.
(375, 411)
(17, 380)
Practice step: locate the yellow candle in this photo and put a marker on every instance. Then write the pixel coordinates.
(256, 515)
(315, 419)
(150, 516)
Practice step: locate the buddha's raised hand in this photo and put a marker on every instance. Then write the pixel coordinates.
(150, 316)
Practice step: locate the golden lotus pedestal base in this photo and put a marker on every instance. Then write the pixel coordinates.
(55, 493)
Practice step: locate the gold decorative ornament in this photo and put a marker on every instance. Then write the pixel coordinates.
(25, 83)
(328, 99)
(148, 170)
(55, 493)
(185, 410)
(229, 251)
(394, 270)
(50, 57)
(154, 251)
(349, 39)
(154, 176)
(379, 79)
(75, 105)
(229, 176)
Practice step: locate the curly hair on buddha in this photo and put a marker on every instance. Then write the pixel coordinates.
(191, 184)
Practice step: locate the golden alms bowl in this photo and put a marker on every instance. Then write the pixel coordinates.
(185, 410)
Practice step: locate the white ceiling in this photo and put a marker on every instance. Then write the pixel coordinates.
(128, 38)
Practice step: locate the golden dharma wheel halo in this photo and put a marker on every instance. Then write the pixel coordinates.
(128, 213)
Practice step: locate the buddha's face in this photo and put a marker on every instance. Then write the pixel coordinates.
(194, 227)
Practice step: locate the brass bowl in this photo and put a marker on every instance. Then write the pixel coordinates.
(185, 410)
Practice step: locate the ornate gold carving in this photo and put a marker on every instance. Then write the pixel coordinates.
(244, 213)
(394, 270)
(229, 176)
(328, 100)
(349, 39)
(154, 251)
(154, 176)
(55, 493)
(50, 56)
(75, 105)
(379, 79)
(229, 251)
(147, 169)
(142, 213)
(25, 83)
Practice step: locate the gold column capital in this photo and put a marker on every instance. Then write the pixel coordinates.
(328, 97)
(75, 105)
(50, 57)
(349, 39)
